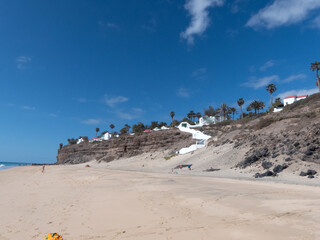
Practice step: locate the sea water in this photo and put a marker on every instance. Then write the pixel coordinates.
(7, 165)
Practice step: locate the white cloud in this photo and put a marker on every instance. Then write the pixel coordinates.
(52, 115)
(267, 65)
(112, 101)
(28, 108)
(199, 74)
(22, 62)
(91, 121)
(82, 100)
(316, 22)
(106, 25)
(294, 77)
(282, 13)
(198, 9)
(264, 81)
(298, 92)
(261, 82)
(132, 114)
(184, 93)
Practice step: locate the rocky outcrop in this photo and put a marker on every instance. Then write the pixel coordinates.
(125, 146)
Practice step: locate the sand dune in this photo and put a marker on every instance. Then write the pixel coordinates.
(97, 203)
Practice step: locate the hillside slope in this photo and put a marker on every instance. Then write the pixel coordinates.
(169, 141)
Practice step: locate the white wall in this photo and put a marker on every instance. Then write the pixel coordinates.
(287, 101)
(195, 135)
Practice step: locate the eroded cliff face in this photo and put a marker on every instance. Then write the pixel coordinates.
(125, 146)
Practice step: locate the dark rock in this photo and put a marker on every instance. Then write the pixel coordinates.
(266, 165)
(308, 152)
(303, 174)
(310, 176)
(279, 168)
(312, 148)
(275, 155)
(296, 144)
(211, 170)
(288, 159)
(311, 172)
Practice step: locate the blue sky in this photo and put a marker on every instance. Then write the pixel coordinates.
(67, 67)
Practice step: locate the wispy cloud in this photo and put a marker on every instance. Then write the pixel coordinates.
(106, 25)
(264, 81)
(134, 113)
(52, 115)
(298, 92)
(260, 82)
(151, 25)
(316, 22)
(198, 9)
(199, 74)
(22, 62)
(293, 78)
(283, 13)
(28, 108)
(112, 101)
(82, 100)
(184, 93)
(92, 121)
(267, 65)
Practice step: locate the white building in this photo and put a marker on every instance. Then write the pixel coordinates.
(206, 120)
(291, 99)
(106, 136)
(95, 140)
(80, 140)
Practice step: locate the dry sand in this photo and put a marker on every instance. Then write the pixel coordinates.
(99, 203)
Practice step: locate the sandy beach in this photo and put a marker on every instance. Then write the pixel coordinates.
(99, 203)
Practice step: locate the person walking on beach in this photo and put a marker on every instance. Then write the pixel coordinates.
(43, 166)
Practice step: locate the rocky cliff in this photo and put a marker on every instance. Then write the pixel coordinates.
(125, 146)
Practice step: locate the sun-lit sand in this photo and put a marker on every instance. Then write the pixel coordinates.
(97, 203)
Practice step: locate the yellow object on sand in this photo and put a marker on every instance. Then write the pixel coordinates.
(53, 236)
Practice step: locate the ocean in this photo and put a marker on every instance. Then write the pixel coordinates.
(7, 165)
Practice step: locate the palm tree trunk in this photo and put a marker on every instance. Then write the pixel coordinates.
(241, 112)
(318, 79)
(271, 99)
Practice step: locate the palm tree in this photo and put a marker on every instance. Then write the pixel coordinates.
(172, 115)
(240, 103)
(261, 105)
(198, 115)
(224, 109)
(97, 130)
(233, 111)
(210, 111)
(254, 105)
(126, 126)
(112, 127)
(191, 115)
(271, 88)
(316, 67)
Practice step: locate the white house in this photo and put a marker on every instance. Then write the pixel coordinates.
(106, 136)
(206, 120)
(80, 140)
(289, 100)
(292, 99)
(95, 140)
